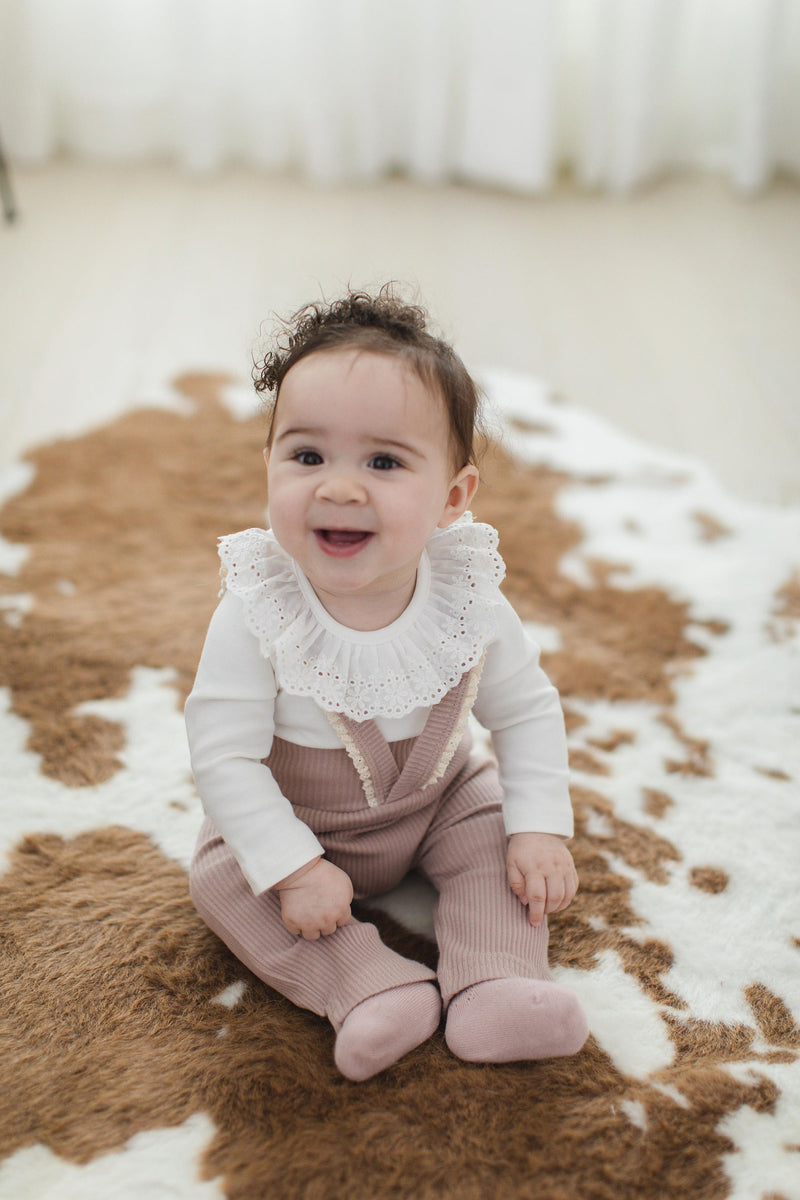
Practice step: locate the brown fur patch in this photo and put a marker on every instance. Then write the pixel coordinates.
(774, 1019)
(709, 879)
(619, 737)
(698, 757)
(711, 530)
(572, 719)
(656, 803)
(526, 426)
(786, 613)
(714, 625)
(584, 760)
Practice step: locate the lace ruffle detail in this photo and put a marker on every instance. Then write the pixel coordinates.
(387, 672)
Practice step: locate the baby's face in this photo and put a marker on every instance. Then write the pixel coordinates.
(360, 475)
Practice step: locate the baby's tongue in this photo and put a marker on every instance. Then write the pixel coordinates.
(344, 537)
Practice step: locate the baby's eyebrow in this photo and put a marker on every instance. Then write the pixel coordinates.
(299, 431)
(405, 447)
(371, 439)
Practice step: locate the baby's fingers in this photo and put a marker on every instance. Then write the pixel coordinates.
(516, 881)
(308, 932)
(562, 893)
(344, 918)
(530, 889)
(556, 891)
(535, 897)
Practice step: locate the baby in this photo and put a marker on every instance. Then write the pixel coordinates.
(328, 723)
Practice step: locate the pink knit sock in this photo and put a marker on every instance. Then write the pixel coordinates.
(382, 1028)
(510, 1020)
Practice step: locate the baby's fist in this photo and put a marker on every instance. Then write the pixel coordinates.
(541, 872)
(315, 901)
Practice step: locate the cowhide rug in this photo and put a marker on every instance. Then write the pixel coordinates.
(141, 1060)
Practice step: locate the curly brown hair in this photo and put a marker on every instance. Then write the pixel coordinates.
(384, 324)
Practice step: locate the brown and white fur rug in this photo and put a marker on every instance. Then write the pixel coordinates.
(141, 1060)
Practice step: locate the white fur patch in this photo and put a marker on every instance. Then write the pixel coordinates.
(157, 1164)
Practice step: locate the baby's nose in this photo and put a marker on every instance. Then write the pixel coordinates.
(342, 487)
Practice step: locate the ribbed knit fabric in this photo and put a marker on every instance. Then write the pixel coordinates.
(451, 830)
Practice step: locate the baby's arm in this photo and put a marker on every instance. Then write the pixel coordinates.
(230, 724)
(541, 872)
(521, 708)
(315, 900)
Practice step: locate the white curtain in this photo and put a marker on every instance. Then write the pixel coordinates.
(502, 92)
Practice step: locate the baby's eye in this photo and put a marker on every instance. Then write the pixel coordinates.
(384, 462)
(307, 458)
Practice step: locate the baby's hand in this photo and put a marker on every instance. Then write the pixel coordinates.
(541, 872)
(315, 900)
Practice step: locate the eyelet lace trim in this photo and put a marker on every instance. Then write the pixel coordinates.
(413, 666)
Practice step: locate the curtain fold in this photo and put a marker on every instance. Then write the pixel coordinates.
(506, 93)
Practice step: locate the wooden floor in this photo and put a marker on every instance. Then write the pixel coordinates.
(675, 314)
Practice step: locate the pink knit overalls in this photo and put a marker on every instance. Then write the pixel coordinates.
(381, 809)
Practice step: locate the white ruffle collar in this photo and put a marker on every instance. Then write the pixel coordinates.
(409, 664)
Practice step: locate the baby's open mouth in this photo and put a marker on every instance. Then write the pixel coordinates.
(344, 537)
(342, 540)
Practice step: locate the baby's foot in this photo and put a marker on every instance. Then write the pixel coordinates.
(382, 1028)
(510, 1020)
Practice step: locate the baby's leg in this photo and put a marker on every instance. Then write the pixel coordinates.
(351, 977)
(493, 969)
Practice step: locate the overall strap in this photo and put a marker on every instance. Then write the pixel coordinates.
(431, 755)
(441, 737)
(369, 753)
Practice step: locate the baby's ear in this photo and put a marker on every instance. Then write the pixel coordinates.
(462, 489)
